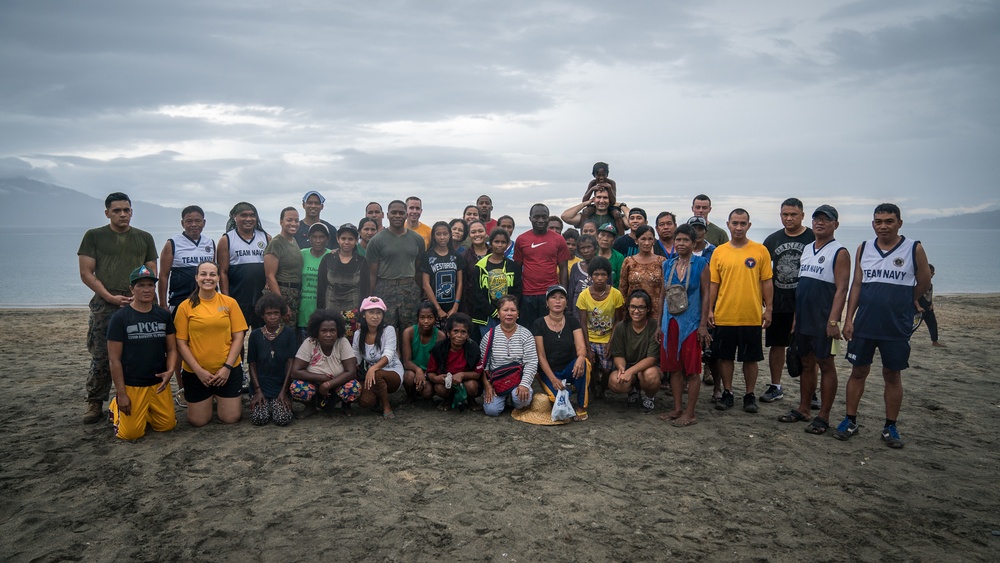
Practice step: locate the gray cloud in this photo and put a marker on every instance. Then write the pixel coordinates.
(368, 101)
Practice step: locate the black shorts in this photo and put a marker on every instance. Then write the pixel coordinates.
(740, 343)
(195, 391)
(819, 346)
(895, 353)
(779, 333)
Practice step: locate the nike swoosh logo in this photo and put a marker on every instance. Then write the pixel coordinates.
(537, 244)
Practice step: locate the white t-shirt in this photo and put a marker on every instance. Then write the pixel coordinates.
(312, 352)
(372, 354)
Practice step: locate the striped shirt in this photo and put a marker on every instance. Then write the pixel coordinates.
(520, 348)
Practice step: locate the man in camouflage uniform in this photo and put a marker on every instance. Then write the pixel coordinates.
(107, 256)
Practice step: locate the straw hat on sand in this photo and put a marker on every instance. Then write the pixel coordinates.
(539, 412)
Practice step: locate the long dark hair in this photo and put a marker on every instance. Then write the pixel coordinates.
(194, 297)
(240, 208)
(363, 332)
(435, 227)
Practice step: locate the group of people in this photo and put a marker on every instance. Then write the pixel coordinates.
(464, 312)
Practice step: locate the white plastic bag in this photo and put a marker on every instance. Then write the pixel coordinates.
(562, 409)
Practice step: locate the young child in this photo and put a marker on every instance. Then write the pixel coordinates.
(442, 269)
(269, 355)
(572, 237)
(452, 365)
(417, 343)
(927, 304)
(579, 279)
(600, 308)
(600, 173)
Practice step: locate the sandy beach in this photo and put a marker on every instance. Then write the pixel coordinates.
(459, 486)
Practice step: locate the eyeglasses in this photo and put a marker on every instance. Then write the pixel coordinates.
(637, 308)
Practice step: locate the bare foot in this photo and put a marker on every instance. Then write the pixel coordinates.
(685, 421)
(938, 344)
(672, 415)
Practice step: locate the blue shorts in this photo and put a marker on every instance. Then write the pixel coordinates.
(895, 353)
(820, 346)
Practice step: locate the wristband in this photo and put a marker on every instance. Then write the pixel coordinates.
(231, 368)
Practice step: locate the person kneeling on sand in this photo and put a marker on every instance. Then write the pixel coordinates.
(506, 346)
(269, 356)
(141, 351)
(210, 329)
(325, 368)
(635, 351)
(452, 364)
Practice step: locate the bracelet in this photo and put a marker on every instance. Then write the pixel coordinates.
(834, 323)
(231, 368)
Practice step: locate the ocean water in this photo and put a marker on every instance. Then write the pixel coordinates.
(40, 268)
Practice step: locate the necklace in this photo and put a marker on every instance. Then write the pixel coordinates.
(682, 266)
(560, 321)
(270, 335)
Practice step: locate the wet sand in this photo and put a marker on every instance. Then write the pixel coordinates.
(431, 485)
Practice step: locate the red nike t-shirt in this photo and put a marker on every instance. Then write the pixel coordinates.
(539, 257)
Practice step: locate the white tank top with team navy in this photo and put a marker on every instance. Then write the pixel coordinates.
(187, 255)
(886, 309)
(816, 288)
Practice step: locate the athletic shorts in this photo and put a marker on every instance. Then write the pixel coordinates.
(779, 333)
(820, 346)
(708, 352)
(739, 343)
(148, 407)
(895, 353)
(689, 362)
(195, 391)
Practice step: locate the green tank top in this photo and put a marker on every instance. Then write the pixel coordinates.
(422, 352)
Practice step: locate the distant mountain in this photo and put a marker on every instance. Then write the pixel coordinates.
(28, 203)
(980, 220)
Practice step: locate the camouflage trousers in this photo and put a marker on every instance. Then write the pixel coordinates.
(99, 378)
(401, 299)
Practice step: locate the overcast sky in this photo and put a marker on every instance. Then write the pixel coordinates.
(848, 103)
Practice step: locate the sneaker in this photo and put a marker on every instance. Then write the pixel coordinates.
(725, 402)
(648, 405)
(846, 429)
(179, 399)
(891, 437)
(93, 413)
(773, 393)
(750, 403)
(815, 404)
(633, 398)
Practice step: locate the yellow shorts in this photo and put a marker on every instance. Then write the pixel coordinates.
(148, 407)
